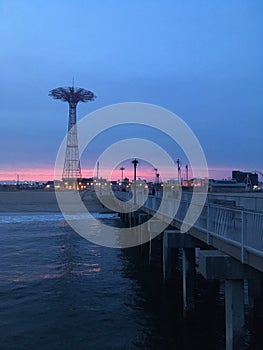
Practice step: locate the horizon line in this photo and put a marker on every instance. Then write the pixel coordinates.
(47, 174)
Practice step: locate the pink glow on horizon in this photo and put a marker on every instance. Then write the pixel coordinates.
(27, 174)
(45, 174)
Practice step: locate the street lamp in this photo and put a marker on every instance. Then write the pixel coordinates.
(122, 169)
(179, 170)
(155, 174)
(135, 163)
(156, 181)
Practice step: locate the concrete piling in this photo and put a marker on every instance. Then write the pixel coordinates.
(235, 314)
(188, 258)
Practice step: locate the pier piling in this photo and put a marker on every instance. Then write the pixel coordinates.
(235, 314)
(188, 258)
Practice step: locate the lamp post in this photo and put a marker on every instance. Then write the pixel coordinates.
(122, 169)
(135, 163)
(155, 174)
(179, 170)
(157, 179)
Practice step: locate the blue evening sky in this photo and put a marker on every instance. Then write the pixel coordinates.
(202, 59)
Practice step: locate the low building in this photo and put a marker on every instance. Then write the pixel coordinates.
(226, 186)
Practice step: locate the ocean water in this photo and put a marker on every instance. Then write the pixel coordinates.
(59, 291)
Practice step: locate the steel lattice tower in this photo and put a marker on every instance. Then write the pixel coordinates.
(72, 95)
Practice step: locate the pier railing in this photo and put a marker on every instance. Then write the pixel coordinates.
(239, 227)
(246, 201)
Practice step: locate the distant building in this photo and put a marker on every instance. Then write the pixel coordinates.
(249, 179)
(86, 183)
(226, 186)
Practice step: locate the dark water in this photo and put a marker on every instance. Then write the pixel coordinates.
(59, 291)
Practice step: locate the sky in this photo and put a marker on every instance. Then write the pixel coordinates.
(201, 59)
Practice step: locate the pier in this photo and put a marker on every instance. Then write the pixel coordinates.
(226, 243)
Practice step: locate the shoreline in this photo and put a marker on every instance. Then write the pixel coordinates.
(30, 201)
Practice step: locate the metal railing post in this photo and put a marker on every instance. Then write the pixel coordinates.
(208, 226)
(243, 249)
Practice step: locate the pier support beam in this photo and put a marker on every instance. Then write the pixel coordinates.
(235, 314)
(142, 218)
(129, 219)
(143, 235)
(176, 239)
(135, 218)
(155, 227)
(125, 217)
(167, 272)
(214, 264)
(255, 292)
(188, 279)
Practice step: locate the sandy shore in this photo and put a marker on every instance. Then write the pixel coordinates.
(41, 201)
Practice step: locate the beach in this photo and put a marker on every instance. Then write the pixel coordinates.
(42, 201)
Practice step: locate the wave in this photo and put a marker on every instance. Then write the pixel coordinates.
(14, 218)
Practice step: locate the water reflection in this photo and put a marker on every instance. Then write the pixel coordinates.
(62, 292)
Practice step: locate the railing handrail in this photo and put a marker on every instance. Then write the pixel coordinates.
(219, 222)
(210, 205)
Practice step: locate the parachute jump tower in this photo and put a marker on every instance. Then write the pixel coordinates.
(72, 95)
